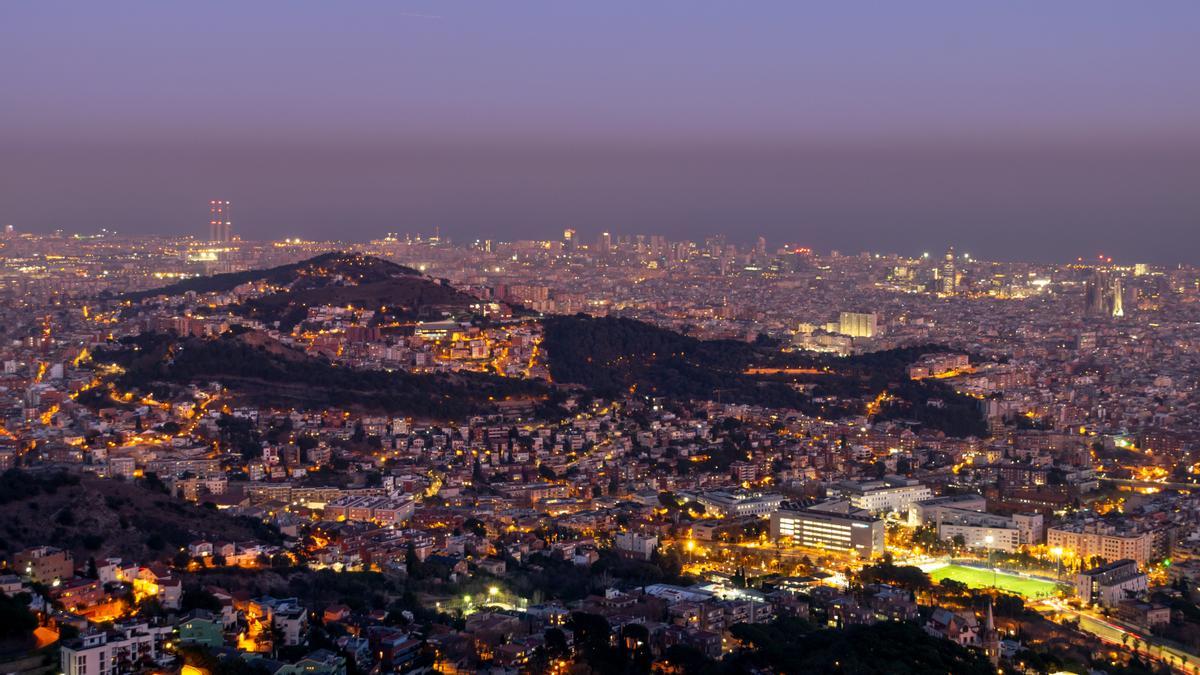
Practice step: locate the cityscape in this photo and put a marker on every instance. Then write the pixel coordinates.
(400, 444)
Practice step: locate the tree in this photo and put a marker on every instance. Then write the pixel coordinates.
(16, 621)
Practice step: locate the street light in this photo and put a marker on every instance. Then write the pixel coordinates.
(1057, 552)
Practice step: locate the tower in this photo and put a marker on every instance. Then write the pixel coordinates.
(220, 221)
(990, 640)
(568, 239)
(949, 276)
(1104, 295)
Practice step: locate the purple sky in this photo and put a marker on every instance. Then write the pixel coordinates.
(1015, 129)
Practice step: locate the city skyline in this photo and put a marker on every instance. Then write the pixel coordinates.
(1049, 133)
(680, 337)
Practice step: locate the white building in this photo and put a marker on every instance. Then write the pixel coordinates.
(858, 324)
(113, 652)
(636, 545)
(817, 528)
(737, 503)
(1109, 584)
(892, 493)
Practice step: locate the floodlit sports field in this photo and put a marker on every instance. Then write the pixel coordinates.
(974, 577)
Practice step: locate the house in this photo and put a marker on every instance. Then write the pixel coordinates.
(44, 564)
(202, 627)
(957, 627)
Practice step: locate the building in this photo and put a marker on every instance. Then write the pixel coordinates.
(948, 281)
(929, 511)
(737, 503)
(1103, 540)
(44, 564)
(815, 527)
(1103, 295)
(1109, 584)
(982, 536)
(636, 545)
(381, 510)
(858, 324)
(124, 650)
(202, 627)
(963, 515)
(892, 493)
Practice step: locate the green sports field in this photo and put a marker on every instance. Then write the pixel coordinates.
(974, 577)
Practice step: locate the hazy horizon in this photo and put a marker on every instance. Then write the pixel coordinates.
(1024, 131)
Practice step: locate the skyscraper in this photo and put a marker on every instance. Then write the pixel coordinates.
(949, 274)
(220, 221)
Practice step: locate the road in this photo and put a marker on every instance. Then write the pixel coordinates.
(1113, 632)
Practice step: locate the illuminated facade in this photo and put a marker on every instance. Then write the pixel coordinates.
(814, 528)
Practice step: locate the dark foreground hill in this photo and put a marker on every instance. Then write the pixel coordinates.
(259, 369)
(95, 517)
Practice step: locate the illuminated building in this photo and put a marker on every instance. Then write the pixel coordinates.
(892, 493)
(818, 528)
(948, 281)
(44, 564)
(858, 324)
(1109, 584)
(737, 503)
(1102, 540)
(1103, 295)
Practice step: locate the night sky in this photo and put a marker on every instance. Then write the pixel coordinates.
(1018, 129)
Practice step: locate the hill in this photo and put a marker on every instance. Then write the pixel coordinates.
(327, 268)
(394, 293)
(613, 355)
(261, 370)
(392, 300)
(95, 517)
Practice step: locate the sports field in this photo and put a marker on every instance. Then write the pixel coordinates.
(974, 577)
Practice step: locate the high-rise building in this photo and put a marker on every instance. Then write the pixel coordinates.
(1104, 295)
(949, 274)
(858, 324)
(605, 243)
(1118, 304)
(569, 241)
(220, 221)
